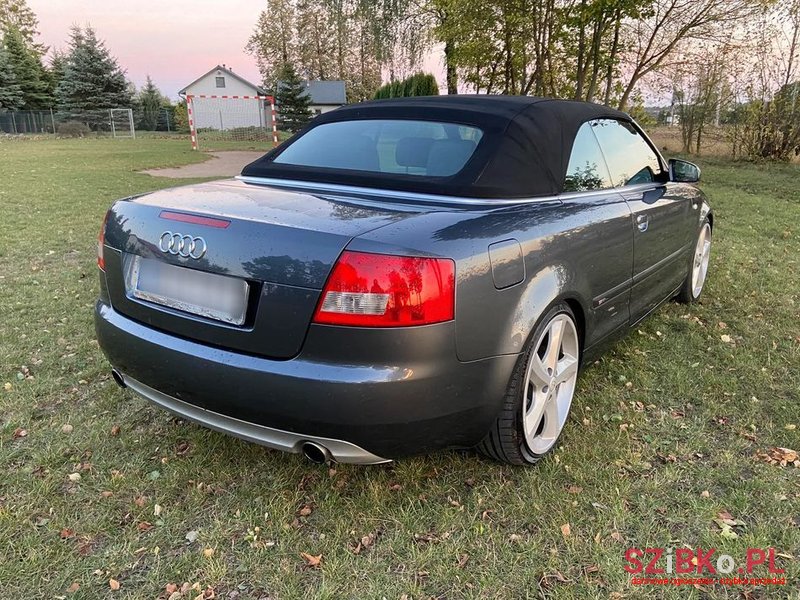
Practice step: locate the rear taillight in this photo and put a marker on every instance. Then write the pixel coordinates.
(378, 290)
(101, 241)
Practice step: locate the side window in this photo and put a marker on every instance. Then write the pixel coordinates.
(587, 168)
(629, 157)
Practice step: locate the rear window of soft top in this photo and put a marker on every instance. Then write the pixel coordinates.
(396, 146)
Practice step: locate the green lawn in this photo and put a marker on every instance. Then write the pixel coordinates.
(665, 435)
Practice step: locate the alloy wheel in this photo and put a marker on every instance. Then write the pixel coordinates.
(702, 252)
(550, 383)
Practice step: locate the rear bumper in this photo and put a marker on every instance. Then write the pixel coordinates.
(266, 436)
(368, 397)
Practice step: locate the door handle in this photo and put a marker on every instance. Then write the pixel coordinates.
(642, 222)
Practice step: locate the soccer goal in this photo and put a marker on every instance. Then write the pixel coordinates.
(121, 123)
(231, 118)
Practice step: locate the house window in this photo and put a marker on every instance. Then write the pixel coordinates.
(220, 82)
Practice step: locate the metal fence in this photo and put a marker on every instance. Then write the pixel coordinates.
(116, 122)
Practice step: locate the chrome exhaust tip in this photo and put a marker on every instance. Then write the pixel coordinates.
(118, 379)
(315, 453)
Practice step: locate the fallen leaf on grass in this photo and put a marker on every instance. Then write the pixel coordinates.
(726, 338)
(617, 537)
(305, 510)
(208, 552)
(462, 561)
(368, 540)
(157, 510)
(115, 429)
(144, 526)
(589, 569)
(66, 428)
(575, 489)
(66, 534)
(7, 386)
(432, 537)
(113, 584)
(191, 536)
(106, 494)
(781, 456)
(74, 587)
(311, 560)
(558, 576)
(140, 501)
(170, 588)
(19, 432)
(565, 530)
(74, 477)
(726, 523)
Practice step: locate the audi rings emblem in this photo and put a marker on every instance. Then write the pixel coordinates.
(185, 246)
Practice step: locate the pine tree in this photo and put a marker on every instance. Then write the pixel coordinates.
(31, 75)
(58, 62)
(292, 99)
(149, 101)
(16, 14)
(10, 92)
(92, 78)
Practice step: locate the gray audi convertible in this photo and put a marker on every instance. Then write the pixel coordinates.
(402, 276)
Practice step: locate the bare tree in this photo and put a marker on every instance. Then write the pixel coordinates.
(654, 37)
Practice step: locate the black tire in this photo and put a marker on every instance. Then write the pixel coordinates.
(505, 441)
(686, 295)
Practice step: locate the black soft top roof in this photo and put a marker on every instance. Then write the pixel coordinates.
(524, 150)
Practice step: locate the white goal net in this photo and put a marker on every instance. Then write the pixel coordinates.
(231, 118)
(121, 122)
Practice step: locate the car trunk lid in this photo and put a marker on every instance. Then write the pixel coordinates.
(272, 249)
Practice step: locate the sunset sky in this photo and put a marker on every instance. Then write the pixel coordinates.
(174, 41)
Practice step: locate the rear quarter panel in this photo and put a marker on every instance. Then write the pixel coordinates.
(560, 243)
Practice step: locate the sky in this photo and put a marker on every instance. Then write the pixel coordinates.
(174, 41)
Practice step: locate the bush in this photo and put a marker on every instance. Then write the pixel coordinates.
(73, 129)
(419, 84)
(771, 129)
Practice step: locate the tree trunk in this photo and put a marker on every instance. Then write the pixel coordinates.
(580, 69)
(450, 67)
(612, 57)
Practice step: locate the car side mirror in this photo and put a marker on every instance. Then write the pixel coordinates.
(682, 171)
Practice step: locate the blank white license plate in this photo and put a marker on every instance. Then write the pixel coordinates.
(209, 295)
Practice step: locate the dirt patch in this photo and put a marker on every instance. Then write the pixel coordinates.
(223, 164)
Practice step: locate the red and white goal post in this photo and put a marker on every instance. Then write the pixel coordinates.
(231, 118)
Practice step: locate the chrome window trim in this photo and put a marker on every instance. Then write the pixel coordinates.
(371, 193)
(394, 194)
(636, 187)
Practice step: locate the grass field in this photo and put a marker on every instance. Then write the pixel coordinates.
(103, 496)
